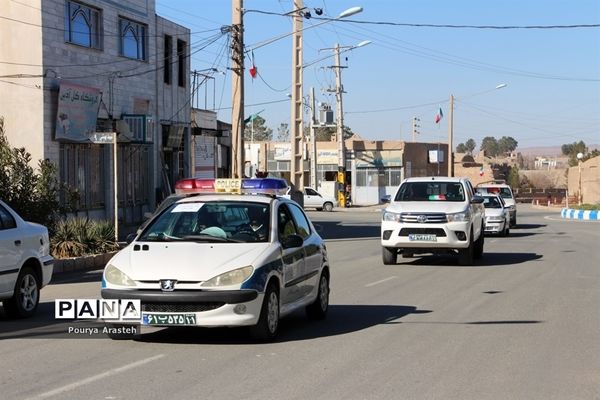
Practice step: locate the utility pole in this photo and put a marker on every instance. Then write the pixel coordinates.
(296, 131)
(415, 125)
(450, 136)
(340, 129)
(237, 90)
(313, 141)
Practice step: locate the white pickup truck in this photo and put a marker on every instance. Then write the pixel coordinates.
(313, 199)
(433, 215)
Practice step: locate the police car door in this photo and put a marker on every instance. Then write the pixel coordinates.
(312, 252)
(293, 258)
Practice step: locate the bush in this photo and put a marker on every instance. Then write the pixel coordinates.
(32, 193)
(76, 237)
(588, 207)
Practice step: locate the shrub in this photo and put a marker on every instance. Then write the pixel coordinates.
(75, 237)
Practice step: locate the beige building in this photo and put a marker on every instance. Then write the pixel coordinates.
(585, 180)
(373, 168)
(70, 70)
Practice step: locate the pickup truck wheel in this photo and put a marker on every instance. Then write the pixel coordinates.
(478, 253)
(506, 231)
(465, 256)
(26, 295)
(389, 255)
(328, 207)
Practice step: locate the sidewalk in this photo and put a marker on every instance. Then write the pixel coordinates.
(371, 208)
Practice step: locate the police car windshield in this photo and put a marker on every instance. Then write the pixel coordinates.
(431, 191)
(212, 221)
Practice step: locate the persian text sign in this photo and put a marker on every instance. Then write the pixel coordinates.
(77, 112)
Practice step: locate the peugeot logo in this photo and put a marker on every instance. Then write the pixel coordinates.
(167, 285)
(422, 219)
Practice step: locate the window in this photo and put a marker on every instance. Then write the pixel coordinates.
(139, 126)
(167, 71)
(431, 191)
(302, 224)
(133, 39)
(181, 57)
(6, 219)
(83, 25)
(82, 170)
(285, 223)
(311, 192)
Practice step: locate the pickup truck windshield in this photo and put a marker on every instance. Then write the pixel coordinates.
(431, 191)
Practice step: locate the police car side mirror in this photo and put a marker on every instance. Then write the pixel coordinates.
(292, 241)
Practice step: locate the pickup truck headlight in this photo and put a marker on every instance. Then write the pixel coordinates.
(115, 276)
(459, 217)
(391, 216)
(234, 277)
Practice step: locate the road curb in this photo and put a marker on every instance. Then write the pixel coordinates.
(86, 263)
(588, 215)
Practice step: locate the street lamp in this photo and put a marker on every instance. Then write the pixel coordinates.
(451, 127)
(579, 157)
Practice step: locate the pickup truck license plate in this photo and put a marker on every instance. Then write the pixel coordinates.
(418, 237)
(169, 319)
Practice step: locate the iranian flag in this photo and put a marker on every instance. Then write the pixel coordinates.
(439, 116)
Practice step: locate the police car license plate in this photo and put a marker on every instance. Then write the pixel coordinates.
(169, 319)
(418, 237)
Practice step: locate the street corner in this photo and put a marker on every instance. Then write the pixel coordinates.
(588, 215)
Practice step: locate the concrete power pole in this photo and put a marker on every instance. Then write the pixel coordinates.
(450, 137)
(340, 129)
(313, 141)
(296, 131)
(237, 90)
(415, 131)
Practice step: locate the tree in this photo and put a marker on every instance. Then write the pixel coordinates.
(571, 150)
(489, 146)
(506, 145)
(513, 177)
(283, 132)
(256, 130)
(470, 145)
(327, 134)
(461, 148)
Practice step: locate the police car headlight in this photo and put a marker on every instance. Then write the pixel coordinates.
(391, 216)
(115, 276)
(459, 217)
(234, 277)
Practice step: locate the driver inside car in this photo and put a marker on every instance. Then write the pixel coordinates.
(258, 222)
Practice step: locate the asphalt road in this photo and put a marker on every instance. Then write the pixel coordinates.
(523, 323)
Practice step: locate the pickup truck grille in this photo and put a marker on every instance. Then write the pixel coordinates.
(424, 231)
(424, 218)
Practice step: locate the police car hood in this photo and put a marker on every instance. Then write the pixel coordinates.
(186, 261)
(427, 207)
(494, 212)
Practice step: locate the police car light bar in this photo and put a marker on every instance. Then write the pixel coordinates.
(270, 186)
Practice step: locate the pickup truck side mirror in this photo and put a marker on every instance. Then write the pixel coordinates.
(386, 199)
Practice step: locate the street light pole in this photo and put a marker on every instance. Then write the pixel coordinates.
(296, 164)
(313, 141)
(580, 195)
(237, 90)
(340, 129)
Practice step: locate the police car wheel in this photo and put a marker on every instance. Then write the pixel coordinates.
(26, 296)
(318, 308)
(268, 323)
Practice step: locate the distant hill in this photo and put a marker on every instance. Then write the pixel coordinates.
(548, 151)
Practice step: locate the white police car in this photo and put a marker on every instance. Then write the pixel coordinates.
(224, 259)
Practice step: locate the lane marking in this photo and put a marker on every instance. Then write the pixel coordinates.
(381, 281)
(94, 378)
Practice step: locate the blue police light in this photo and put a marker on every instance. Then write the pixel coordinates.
(273, 186)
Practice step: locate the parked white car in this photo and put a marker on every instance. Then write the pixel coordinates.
(25, 263)
(497, 215)
(433, 215)
(314, 199)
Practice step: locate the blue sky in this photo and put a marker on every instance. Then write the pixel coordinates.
(552, 75)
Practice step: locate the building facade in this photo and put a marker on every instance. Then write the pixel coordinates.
(77, 71)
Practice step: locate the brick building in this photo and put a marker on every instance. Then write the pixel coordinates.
(71, 70)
